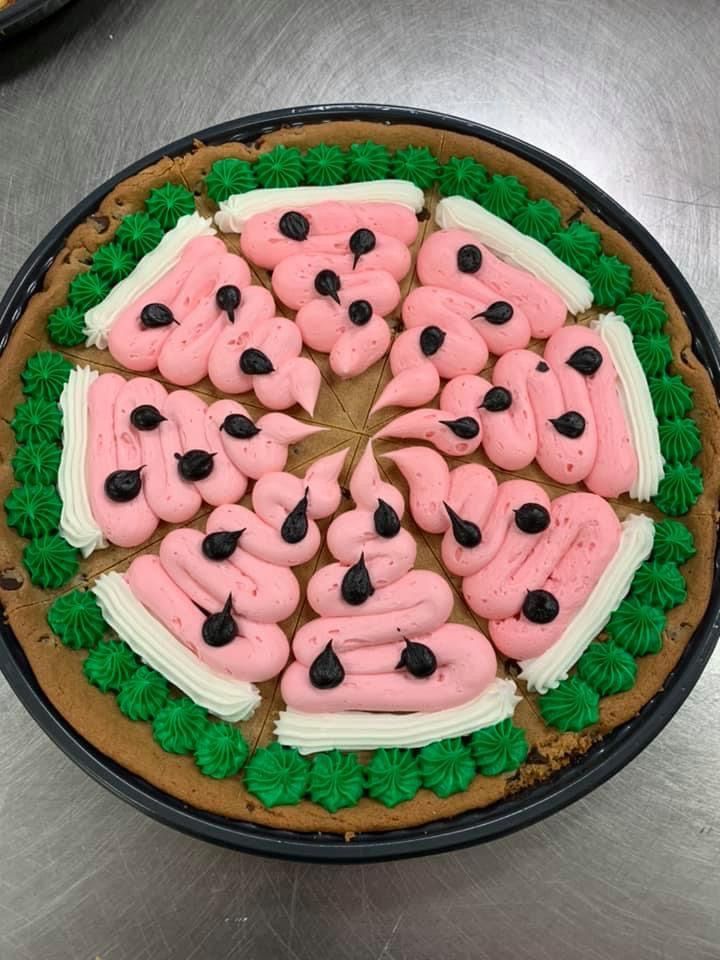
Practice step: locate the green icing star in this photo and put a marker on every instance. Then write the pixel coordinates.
(33, 510)
(37, 421)
(168, 203)
(277, 775)
(86, 290)
(336, 780)
(368, 161)
(325, 165)
(109, 665)
(45, 375)
(50, 561)
(77, 619)
(643, 313)
(66, 326)
(178, 725)
(416, 164)
(653, 351)
(392, 776)
(572, 705)
(659, 585)
(446, 766)
(143, 694)
(228, 177)
(503, 196)
(679, 489)
(671, 396)
(462, 177)
(499, 748)
(637, 627)
(139, 234)
(577, 246)
(281, 167)
(607, 668)
(221, 751)
(673, 543)
(539, 219)
(680, 440)
(113, 262)
(610, 279)
(37, 463)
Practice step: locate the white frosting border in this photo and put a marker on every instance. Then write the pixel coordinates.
(545, 672)
(229, 699)
(77, 524)
(351, 730)
(637, 404)
(515, 247)
(148, 271)
(237, 209)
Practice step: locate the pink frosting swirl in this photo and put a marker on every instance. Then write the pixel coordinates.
(565, 557)
(369, 639)
(114, 443)
(183, 586)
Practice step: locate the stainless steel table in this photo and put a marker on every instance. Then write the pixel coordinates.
(627, 91)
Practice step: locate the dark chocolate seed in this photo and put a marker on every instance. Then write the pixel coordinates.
(123, 485)
(228, 299)
(431, 339)
(295, 525)
(327, 284)
(359, 312)
(570, 424)
(356, 586)
(156, 315)
(326, 671)
(542, 367)
(221, 545)
(195, 464)
(497, 313)
(294, 225)
(386, 520)
(418, 659)
(540, 606)
(146, 417)
(586, 360)
(496, 400)
(220, 628)
(239, 427)
(464, 427)
(362, 241)
(469, 258)
(255, 363)
(532, 518)
(466, 533)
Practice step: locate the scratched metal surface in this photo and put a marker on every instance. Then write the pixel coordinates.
(627, 91)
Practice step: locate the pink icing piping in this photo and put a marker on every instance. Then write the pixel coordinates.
(603, 457)
(203, 342)
(566, 559)
(114, 444)
(414, 604)
(176, 584)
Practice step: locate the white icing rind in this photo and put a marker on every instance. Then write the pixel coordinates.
(228, 699)
(149, 270)
(237, 209)
(515, 247)
(313, 732)
(77, 524)
(637, 404)
(545, 672)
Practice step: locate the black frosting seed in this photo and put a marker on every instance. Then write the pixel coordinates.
(540, 606)
(255, 363)
(156, 315)
(431, 339)
(362, 241)
(464, 427)
(418, 659)
(570, 424)
(295, 524)
(386, 520)
(359, 312)
(220, 628)
(496, 400)
(123, 485)
(469, 258)
(326, 671)
(532, 518)
(221, 545)
(228, 299)
(239, 427)
(195, 464)
(294, 225)
(146, 417)
(356, 586)
(586, 360)
(466, 533)
(327, 284)
(497, 313)
(542, 367)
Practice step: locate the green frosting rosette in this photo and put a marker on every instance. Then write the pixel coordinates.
(539, 219)
(50, 561)
(109, 665)
(277, 775)
(680, 440)
(143, 695)
(281, 167)
(178, 725)
(503, 196)
(572, 705)
(643, 313)
(607, 668)
(637, 627)
(336, 780)
(325, 165)
(392, 776)
(37, 421)
(577, 246)
(673, 542)
(416, 164)
(37, 463)
(671, 396)
(33, 510)
(45, 375)
(462, 177)
(168, 203)
(77, 619)
(86, 290)
(66, 326)
(659, 584)
(367, 161)
(446, 766)
(113, 262)
(499, 748)
(653, 351)
(139, 234)
(679, 489)
(228, 177)
(221, 751)
(610, 279)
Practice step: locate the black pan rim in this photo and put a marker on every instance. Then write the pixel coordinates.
(571, 783)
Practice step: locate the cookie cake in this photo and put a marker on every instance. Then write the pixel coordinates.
(353, 479)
